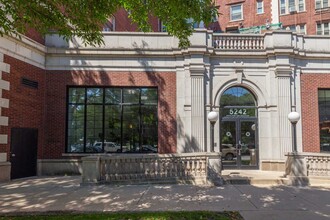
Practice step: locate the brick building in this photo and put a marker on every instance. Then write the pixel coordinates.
(140, 93)
(303, 16)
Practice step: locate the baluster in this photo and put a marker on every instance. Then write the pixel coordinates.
(216, 43)
(248, 40)
(243, 43)
(239, 43)
(258, 43)
(107, 172)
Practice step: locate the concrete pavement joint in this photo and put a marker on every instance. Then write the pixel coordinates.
(245, 196)
(144, 193)
(300, 197)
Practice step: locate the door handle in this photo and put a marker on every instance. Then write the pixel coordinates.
(238, 148)
(13, 155)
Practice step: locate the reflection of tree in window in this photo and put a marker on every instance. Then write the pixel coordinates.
(237, 96)
(324, 119)
(122, 117)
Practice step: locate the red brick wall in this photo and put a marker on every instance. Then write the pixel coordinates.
(123, 23)
(250, 16)
(57, 82)
(26, 105)
(34, 35)
(310, 83)
(308, 17)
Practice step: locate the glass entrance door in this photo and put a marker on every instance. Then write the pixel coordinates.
(238, 143)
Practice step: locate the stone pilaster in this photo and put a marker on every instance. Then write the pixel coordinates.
(4, 103)
(197, 108)
(284, 108)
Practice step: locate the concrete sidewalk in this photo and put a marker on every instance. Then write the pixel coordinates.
(253, 202)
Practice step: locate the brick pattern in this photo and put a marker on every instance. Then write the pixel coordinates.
(34, 35)
(26, 106)
(250, 16)
(310, 83)
(58, 81)
(309, 17)
(123, 23)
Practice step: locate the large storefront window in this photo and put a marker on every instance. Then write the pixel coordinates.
(112, 120)
(324, 118)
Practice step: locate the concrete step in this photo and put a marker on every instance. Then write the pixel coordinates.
(255, 181)
(268, 178)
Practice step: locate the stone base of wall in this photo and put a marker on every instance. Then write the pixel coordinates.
(273, 165)
(5, 168)
(51, 167)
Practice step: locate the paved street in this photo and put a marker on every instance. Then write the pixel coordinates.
(253, 202)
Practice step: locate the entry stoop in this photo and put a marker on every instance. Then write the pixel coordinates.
(254, 177)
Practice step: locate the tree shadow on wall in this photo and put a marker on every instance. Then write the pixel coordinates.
(173, 129)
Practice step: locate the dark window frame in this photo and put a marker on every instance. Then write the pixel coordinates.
(321, 114)
(140, 104)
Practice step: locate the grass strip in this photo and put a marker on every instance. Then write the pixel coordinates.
(173, 215)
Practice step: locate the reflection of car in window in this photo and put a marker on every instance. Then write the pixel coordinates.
(109, 147)
(149, 149)
(228, 151)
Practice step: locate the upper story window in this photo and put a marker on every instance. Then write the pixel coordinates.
(291, 6)
(322, 28)
(110, 25)
(321, 4)
(161, 27)
(236, 12)
(300, 28)
(260, 6)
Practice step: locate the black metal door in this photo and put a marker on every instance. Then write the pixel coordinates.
(23, 155)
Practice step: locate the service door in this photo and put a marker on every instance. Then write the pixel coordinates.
(23, 155)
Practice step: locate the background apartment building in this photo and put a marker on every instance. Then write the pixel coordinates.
(310, 17)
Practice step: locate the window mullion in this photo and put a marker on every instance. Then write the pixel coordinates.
(85, 120)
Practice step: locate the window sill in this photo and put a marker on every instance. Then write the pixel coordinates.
(322, 10)
(81, 154)
(233, 21)
(293, 13)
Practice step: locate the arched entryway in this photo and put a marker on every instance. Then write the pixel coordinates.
(238, 128)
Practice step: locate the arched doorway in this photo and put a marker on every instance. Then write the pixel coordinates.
(238, 128)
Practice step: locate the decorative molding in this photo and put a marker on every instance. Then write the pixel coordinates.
(197, 71)
(239, 74)
(283, 72)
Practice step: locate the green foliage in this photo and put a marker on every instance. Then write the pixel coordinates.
(84, 18)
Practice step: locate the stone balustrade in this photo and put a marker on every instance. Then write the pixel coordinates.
(318, 165)
(195, 168)
(238, 42)
(308, 164)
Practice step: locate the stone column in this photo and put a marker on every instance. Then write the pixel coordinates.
(197, 109)
(284, 108)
